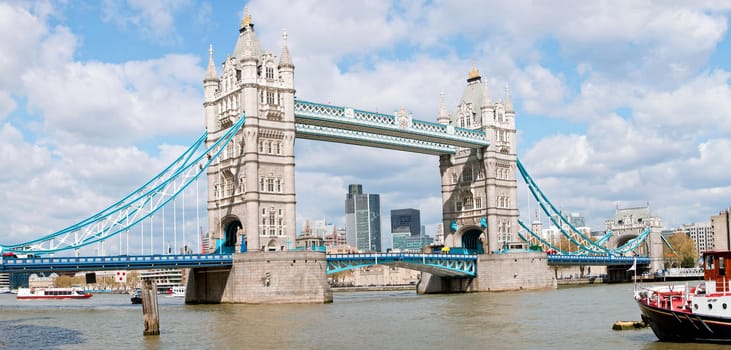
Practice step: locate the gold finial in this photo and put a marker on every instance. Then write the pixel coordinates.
(474, 73)
(247, 18)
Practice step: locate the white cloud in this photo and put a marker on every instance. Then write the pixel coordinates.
(155, 19)
(18, 51)
(102, 103)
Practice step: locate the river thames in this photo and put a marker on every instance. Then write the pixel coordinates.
(567, 318)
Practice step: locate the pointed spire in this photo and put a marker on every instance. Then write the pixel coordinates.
(508, 103)
(474, 74)
(246, 22)
(285, 60)
(443, 117)
(486, 100)
(211, 74)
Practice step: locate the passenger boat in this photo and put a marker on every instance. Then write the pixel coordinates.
(52, 293)
(702, 313)
(177, 291)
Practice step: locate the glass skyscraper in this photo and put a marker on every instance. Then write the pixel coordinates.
(401, 218)
(363, 219)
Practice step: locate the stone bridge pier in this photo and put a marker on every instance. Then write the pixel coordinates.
(496, 273)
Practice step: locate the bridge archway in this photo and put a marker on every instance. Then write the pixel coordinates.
(272, 246)
(471, 239)
(230, 237)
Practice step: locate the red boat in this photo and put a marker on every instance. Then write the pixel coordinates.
(679, 313)
(52, 293)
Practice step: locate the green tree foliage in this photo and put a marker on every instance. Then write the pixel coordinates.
(685, 249)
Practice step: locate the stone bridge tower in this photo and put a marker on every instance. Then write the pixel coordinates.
(479, 190)
(628, 223)
(251, 194)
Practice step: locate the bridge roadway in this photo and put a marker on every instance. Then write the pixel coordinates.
(446, 265)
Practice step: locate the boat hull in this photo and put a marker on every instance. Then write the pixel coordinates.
(81, 296)
(681, 326)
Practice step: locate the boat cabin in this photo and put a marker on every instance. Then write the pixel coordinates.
(717, 274)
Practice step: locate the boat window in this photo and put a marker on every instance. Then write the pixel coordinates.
(721, 266)
(709, 263)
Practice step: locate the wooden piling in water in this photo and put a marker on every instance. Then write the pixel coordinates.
(150, 312)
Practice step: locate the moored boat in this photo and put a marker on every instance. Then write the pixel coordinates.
(680, 313)
(177, 291)
(52, 293)
(136, 297)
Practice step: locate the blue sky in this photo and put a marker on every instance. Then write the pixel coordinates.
(619, 103)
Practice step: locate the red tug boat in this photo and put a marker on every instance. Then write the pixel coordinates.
(702, 313)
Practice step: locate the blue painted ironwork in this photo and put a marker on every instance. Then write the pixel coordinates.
(322, 133)
(534, 238)
(584, 244)
(575, 236)
(444, 265)
(604, 239)
(99, 263)
(347, 125)
(600, 260)
(135, 207)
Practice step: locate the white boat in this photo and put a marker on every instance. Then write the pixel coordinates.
(177, 291)
(52, 293)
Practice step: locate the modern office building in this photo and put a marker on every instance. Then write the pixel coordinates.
(404, 241)
(363, 219)
(406, 219)
(702, 234)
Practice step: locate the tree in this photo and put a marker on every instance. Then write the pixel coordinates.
(684, 247)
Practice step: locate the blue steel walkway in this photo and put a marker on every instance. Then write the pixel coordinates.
(438, 264)
(444, 265)
(598, 260)
(99, 263)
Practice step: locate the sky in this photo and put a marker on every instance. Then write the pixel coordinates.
(618, 103)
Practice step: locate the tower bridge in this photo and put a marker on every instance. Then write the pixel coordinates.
(252, 120)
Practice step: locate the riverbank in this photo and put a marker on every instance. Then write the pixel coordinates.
(374, 288)
(578, 281)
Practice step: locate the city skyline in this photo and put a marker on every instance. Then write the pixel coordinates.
(611, 109)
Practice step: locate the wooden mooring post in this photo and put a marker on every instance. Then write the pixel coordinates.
(150, 313)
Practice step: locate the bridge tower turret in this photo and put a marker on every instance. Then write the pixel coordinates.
(479, 190)
(210, 88)
(251, 204)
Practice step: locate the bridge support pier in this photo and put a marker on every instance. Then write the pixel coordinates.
(262, 278)
(496, 273)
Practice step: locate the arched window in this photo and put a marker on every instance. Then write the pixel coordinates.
(467, 173)
(467, 201)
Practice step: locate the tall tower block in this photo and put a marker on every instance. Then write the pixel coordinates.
(251, 194)
(251, 201)
(479, 192)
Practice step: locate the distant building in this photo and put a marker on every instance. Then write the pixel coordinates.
(439, 236)
(721, 226)
(363, 219)
(701, 234)
(404, 241)
(629, 223)
(323, 233)
(406, 218)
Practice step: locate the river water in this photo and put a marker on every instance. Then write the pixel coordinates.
(566, 318)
